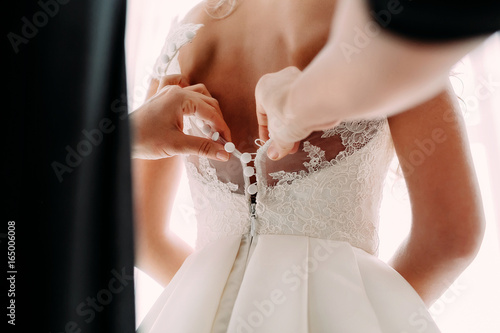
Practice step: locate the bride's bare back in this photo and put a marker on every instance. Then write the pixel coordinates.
(230, 55)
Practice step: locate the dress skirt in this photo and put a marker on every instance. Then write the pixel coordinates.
(286, 283)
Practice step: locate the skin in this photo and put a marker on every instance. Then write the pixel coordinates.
(156, 167)
(402, 74)
(447, 224)
(447, 214)
(157, 125)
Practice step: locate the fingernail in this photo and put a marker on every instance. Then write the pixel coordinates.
(272, 153)
(222, 155)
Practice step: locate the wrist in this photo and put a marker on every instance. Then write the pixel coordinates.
(310, 114)
(136, 137)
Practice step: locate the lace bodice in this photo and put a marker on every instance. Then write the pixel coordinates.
(331, 188)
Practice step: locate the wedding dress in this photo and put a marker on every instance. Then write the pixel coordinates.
(288, 246)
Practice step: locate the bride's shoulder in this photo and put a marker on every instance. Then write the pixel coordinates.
(203, 24)
(199, 51)
(197, 15)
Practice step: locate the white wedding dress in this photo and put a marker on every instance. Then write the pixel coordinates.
(300, 254)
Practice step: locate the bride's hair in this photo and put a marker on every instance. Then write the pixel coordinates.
(220, 9)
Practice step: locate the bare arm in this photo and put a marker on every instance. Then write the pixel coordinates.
(363, 71)
(447, 215)
(392, 73)
(159, 252)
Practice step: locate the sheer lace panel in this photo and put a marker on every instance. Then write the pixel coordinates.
(331, 188)
(219, 209)
(328, 193)
(337, 194)
(322, 149)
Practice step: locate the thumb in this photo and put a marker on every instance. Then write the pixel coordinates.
(193, 145)
(277, 151)
(173, 80)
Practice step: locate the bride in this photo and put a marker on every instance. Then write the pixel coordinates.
(291, 245)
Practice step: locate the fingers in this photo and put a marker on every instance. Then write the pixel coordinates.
(263, 123)
(173, 80)
(277, 151)
(196, 100)
(295, 148)
(212, 102)
(273, 114)
(199, 88)
(194, 145)
(207, 109)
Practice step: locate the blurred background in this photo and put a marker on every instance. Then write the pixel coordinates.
(472, 304)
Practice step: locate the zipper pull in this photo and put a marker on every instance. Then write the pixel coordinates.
(253, 219)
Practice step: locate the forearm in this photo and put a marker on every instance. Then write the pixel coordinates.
(158, 251)
(429, 267)
(364, 71)
(162, 257)
(447, 214)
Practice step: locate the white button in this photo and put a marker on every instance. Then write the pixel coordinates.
(229, 147)
(199, 122)
(215, 136)
(252, 189)
(172, 47)
(248, 171)
(190, 35)
(206, 129)
(246, 157)
(165, 58)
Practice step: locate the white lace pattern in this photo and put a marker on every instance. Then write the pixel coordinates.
(336, 197)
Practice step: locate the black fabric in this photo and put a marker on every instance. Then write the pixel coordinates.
(437, 20)
(67, 167)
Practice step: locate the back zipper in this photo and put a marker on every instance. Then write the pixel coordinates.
(253, 215)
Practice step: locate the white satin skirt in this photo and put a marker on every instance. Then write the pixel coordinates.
(286, 283)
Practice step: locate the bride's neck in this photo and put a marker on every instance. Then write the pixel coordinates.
(299, 22)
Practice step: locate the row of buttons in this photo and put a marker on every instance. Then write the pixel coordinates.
(245, 158)
(248, 171)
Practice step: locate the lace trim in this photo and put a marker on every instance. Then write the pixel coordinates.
(317, 162)
(178, 36)
(322, 201)
(337, 199)
(219, 211)
(354, 135)
(167, 62)
(207, 174)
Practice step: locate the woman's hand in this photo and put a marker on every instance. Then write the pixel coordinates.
(157, 125)
(271, 94)
(274, 113)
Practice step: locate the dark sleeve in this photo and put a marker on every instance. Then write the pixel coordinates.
(437, 20)
(68, 177)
